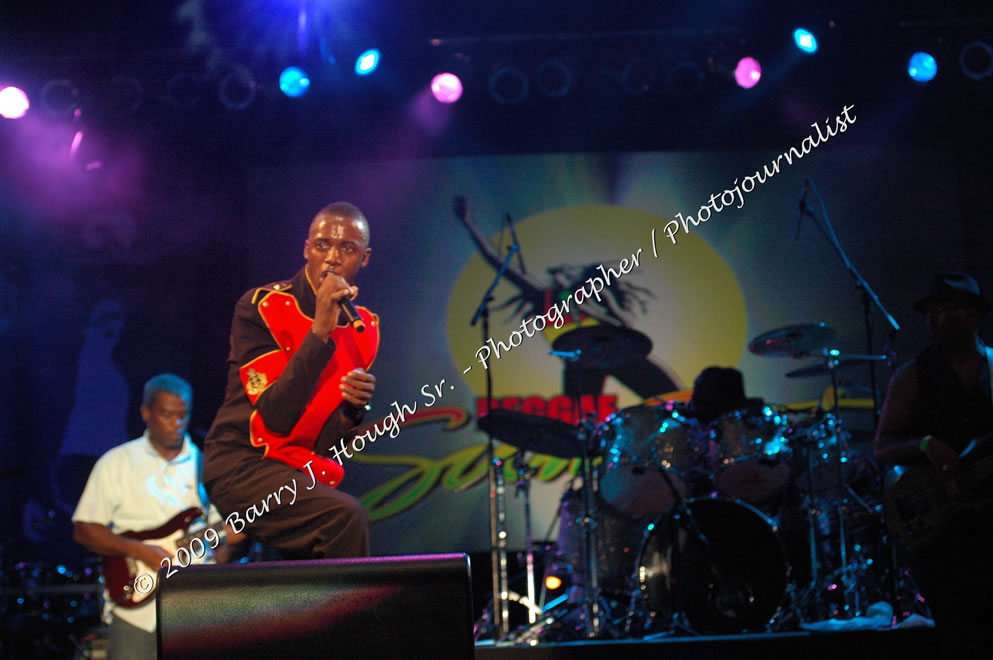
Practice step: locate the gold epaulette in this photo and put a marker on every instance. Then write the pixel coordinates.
(285, 285)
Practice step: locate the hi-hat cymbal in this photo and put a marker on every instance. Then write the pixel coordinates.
(841, 361)
(541, 435)
(793, 340)
(602, 346)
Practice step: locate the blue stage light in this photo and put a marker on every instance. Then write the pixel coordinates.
(367, 62)
(294, 82)
(805, 40)
(922, 67)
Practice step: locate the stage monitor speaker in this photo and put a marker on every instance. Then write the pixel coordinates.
(416, 606)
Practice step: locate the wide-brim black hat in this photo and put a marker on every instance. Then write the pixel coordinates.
(957, 287)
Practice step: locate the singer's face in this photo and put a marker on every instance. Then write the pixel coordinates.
(336, 244)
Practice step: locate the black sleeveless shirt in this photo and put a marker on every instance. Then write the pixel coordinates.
(947, 409)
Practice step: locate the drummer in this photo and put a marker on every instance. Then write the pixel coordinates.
(717, 391)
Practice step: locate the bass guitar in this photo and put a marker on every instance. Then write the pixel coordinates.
(920, 500)
(119, 573)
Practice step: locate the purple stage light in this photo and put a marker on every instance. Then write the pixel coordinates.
(77, 140)
(13, 103)
(748, 72)
(446, 87)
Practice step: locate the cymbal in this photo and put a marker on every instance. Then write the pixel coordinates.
(603, 346)
(541, 435)
(841, 362)
(792, 340)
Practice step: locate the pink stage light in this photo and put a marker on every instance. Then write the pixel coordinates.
(748, 72)
(13, 103)
(446, 87)
(77, 140)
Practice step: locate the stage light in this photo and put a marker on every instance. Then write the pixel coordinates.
(367, 62)
(922, 67)
(805, 40)
(237, 89)
(446, 87)
(637, 76)
(77, 140)
(685, 78)
(125, 93)
(553, 78)
(60, 97)
(976, 60)
(183, 91)
(508, 85)
(748, 72)
(13, 103)
(553, 582)
(294, 82)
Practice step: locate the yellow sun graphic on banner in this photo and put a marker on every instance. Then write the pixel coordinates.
(687, 301)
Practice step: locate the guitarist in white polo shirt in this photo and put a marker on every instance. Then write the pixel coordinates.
(138, 486)
(935, 407)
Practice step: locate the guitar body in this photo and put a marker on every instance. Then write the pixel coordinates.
(920, 500)
(119, 573)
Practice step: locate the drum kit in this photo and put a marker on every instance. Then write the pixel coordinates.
(676, 527)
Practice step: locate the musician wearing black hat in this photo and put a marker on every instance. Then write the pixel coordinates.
(935, 406)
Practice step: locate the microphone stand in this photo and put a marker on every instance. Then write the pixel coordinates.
(869, 297)
(497, 489)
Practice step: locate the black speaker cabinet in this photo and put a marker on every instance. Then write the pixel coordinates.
(378, 607)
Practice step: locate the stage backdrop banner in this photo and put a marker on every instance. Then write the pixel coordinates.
(616, 227)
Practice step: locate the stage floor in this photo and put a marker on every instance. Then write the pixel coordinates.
(875, 644)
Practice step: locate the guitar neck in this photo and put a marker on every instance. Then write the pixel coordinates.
(219, 528)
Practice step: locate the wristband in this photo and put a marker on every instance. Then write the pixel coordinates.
(924, 442)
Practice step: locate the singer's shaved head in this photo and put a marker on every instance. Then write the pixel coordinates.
(342, 210)
(337, 242)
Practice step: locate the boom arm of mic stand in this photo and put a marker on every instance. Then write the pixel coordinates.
(488, 296)
(836, 244)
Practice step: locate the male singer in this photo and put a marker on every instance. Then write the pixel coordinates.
(275, 386)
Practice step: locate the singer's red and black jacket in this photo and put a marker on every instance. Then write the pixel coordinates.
(283, 400)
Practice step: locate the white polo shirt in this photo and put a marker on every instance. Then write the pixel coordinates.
(133, 488)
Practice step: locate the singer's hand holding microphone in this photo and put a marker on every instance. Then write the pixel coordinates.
(334, 298)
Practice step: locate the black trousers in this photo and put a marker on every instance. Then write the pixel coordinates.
(956, 578)
(321, 522)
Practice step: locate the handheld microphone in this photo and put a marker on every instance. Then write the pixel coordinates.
(803, 208)
(352, 315)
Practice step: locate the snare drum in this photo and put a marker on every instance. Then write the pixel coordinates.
(637, 444)
(745, 590)
(749, 455)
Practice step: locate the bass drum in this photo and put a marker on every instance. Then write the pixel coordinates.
(737, 587)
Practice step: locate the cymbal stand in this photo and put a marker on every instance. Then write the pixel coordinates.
(500, 621)
(680, 512)
(812, 514)
(524, 474)
(590, 537)
(847, 583)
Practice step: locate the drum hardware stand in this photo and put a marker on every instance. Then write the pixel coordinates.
(524, 475)
(590, 536)
(591, 587)
(500, 622)
(679, 621)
